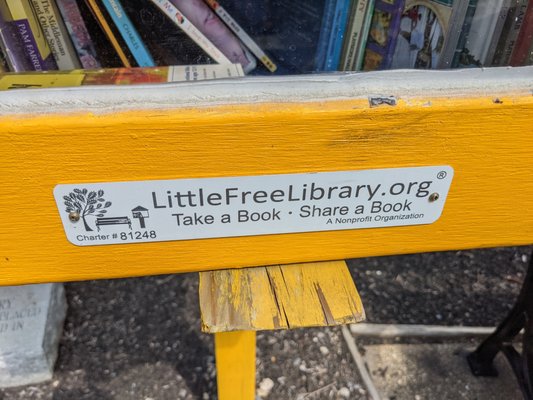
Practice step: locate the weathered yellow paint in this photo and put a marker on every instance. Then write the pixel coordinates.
(279, 297)
(489, 144)
(235, 359)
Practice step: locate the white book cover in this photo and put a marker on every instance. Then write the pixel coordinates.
(483, 24)
(172, 12)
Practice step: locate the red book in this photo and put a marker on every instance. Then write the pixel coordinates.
(525, 39)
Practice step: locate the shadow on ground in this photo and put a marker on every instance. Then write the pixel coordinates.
(140, 339)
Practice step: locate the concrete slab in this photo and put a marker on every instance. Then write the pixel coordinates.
(434, 371)
(31, 322)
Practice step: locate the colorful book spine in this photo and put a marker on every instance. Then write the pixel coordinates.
(353, 35)
(56, 34)
(347, 35)
(120, 76)
(336, 40)
(524, 40)
(360, 55)
(325, 32)
(81, 39)
(168, 44)
(510, 33)
(12, 47)
(171, 11)
(460, 48)
(211, 26)
(383, 34)
(497, 32)
(480, 34)
(242, 35)
(128, 32)
(32, 48)
(456, 27)
(32, 35)
(99, 15)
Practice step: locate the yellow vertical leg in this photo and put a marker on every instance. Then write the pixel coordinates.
(235, 358)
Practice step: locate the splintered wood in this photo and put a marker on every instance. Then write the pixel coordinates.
(279, 297)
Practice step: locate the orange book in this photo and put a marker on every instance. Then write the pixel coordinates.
(110, 34)
(119, 76)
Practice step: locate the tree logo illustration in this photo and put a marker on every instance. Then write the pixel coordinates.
(86, 203)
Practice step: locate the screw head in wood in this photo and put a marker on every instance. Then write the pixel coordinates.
(433, 197)
(74, 216)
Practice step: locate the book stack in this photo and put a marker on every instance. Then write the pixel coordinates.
(119, 76)
(73, 35)
(364, 35)
(438, 34)
(264, 36)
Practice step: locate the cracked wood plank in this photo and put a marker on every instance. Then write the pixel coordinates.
(279, 297)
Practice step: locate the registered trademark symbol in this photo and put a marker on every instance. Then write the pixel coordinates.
(442, 175)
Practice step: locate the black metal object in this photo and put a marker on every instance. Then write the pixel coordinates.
(520, 317)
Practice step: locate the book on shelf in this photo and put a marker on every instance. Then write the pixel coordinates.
(509, 34)
(22, 16)
(111, 33)
(382, 35)
(326, 27)
(360, 55)
(286, 36)
(80, 36)
(172, 12)
(242, 35)
(457, 32)
(200, 22)
(129, 34)
(524, 42)
(12, 47)
(168, 44)
(462, 58)
(294, 33)
(355, 31)
(288, 30)
(336, 37)
(119, 76)
(56, 34)
(105, 53)
(413, 34)
(501, 14)
(423, 31)
(349, 34)
(475, 46)
(3, 62)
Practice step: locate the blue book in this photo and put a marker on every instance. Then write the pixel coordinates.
(325, 33)
(129, 33)
(336, 39)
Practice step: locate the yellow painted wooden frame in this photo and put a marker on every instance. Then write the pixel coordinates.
(484, 132)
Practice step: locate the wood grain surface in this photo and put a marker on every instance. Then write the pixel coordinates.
(235, 358)
(488, 143)
(279, 297)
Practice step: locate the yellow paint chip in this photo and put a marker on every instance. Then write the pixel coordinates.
(279, 297)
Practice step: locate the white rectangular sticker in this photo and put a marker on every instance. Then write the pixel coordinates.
(182, 209)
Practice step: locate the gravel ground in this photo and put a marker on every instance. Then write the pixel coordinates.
(140, 339)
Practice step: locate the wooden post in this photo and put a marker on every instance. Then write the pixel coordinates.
(235, 358)
(236, 303)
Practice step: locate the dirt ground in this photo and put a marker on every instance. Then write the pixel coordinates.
(140, 339)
